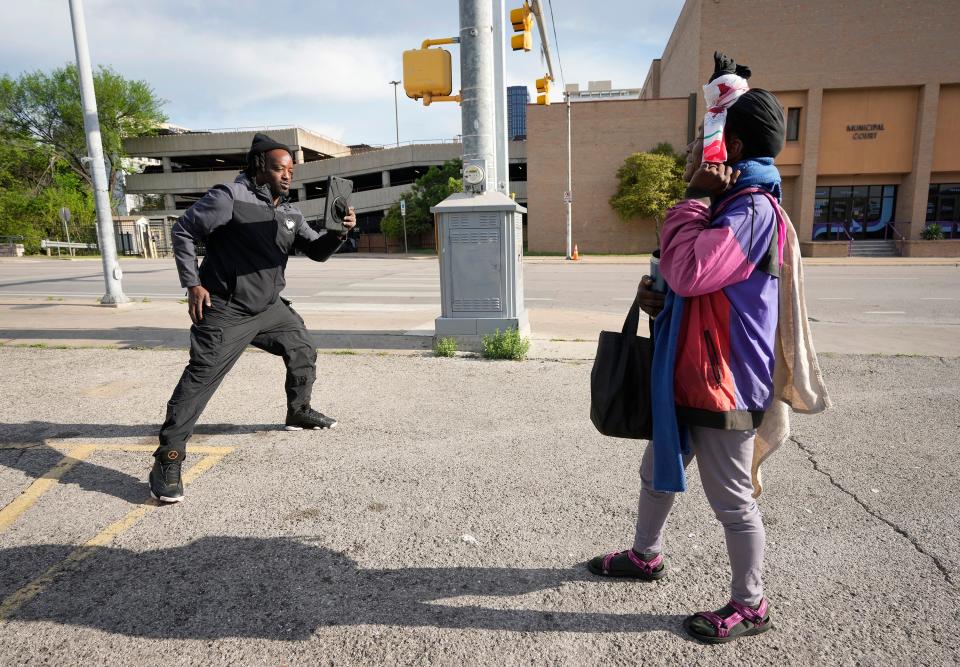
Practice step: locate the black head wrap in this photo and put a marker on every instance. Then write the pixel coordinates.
(756, 118)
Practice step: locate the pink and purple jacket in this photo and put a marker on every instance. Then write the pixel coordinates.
(725, 262)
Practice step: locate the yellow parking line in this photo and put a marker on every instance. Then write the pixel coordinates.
(42, 484)
(14, 601)
(107, 447)
(198, 449)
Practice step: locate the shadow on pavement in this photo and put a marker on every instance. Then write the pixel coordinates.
(283, 589)
(158, 337)
(37, 458)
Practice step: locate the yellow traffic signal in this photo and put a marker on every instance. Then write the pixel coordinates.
(522, 20)
(543, 88)
(427, 73)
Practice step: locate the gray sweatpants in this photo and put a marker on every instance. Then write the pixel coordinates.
(723, 459)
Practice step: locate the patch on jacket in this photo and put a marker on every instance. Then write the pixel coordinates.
(289, 223)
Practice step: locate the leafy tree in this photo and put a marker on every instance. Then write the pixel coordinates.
(46, 109)
(34, 185)
(663, 148)
(428, 190)
(649, 184)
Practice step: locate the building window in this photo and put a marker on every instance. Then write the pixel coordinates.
(793, 124)
(943, 208)
(858, 211)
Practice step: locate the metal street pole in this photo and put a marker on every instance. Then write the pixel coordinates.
(500, 94)
(112, 273)
(476, 83)
(403, 217)
(396, 114)
(569, 185)
(65, 218)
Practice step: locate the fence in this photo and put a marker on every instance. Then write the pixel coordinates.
(11, 246)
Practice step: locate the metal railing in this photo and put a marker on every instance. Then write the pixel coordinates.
(890, 230)
(349, 153)
(849, 237)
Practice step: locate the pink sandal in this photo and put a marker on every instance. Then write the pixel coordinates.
(628, 564)
(741, 622)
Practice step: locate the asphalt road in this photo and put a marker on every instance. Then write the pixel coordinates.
(856, 308)
(857, 292)
(445, 521)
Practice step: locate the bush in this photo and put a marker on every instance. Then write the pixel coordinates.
(506, 345)
(445, 347)
(932, 233)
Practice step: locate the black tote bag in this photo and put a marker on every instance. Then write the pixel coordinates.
(620, 381)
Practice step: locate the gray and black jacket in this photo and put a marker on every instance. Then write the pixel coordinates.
(247, 240)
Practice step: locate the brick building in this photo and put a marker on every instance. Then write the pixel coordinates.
(871, 90)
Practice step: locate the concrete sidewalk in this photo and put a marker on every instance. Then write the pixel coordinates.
(557, 333)
(446, 520)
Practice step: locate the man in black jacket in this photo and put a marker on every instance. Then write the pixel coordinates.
(234, 298)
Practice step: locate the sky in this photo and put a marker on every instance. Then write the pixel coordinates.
(324, 64)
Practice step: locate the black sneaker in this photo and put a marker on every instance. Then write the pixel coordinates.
(165, 483)
(309, 419)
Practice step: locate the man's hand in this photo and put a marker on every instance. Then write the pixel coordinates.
(713, 179)
(651, 301)
(197, 299)
(350, 220)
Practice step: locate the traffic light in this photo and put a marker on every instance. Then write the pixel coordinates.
(427, 73)
(522, 20)
(543, 88)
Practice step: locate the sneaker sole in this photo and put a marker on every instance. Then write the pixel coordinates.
(165, 499)
(289, 427)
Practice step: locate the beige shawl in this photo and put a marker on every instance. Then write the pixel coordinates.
(797, 381)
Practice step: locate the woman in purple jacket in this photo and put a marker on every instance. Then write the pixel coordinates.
(714, 354)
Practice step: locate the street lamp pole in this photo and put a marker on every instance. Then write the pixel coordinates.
(396, 114)
(94, 161)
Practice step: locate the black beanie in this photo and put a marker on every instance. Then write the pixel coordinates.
(757, 120)
(262, 143)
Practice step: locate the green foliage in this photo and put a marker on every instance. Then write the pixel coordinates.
(506, 345)
(445, 347)
(34, 185)
(932, 232)
(649, 184)
(663, 148)
(428, 190)
(45, 110)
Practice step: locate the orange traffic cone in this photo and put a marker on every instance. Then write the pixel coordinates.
(576, 254)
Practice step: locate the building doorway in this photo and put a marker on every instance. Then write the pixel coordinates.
(857, 212)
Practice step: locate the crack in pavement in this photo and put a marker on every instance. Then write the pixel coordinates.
(901, 531)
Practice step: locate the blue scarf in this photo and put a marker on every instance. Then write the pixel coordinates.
(669, 439)
(759, 172)
(670, 442)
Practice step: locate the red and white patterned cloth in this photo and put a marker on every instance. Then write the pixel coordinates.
(720, 94)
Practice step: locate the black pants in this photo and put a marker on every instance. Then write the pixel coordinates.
(216, 342)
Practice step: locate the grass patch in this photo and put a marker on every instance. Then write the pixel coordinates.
(345, 353)
(508, 344)
(445, 347)
(146, 299)
(54, 298)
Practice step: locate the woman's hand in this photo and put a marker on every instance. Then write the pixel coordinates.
(651, 301)
(713, 179)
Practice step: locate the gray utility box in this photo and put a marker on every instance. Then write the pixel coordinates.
(481, 265)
